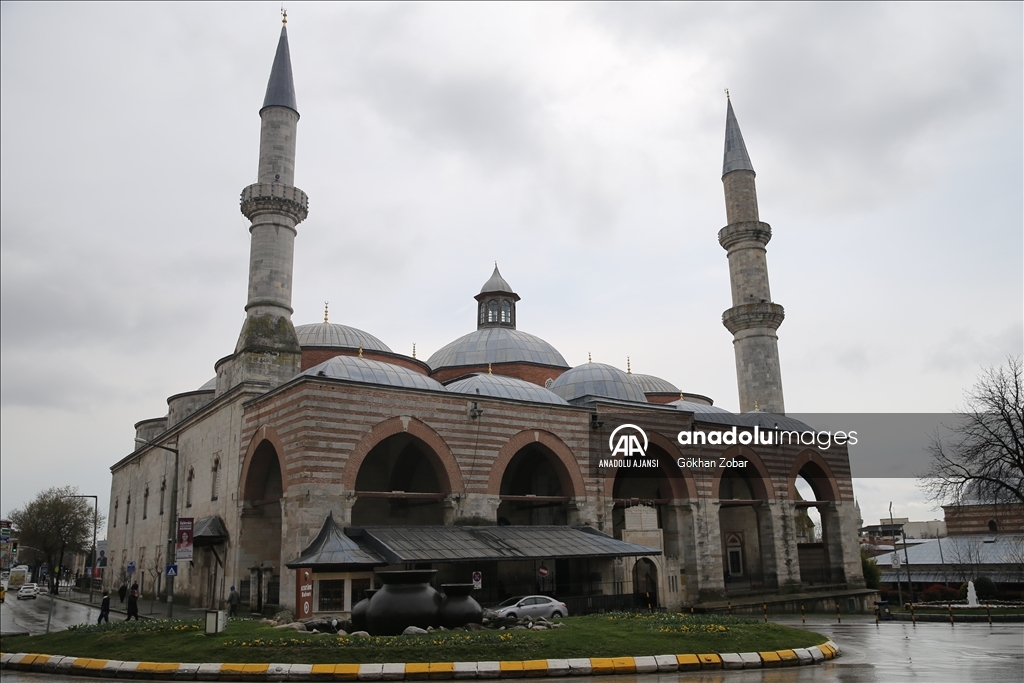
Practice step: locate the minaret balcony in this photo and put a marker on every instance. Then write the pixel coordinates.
(265, 198)
(747, 232)
(751, 316)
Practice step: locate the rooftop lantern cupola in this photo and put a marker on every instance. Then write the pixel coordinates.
(497, 303)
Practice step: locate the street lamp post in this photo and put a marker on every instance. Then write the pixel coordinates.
(173, 530)
(95, 520)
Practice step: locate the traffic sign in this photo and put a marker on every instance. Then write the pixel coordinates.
(5, 533)
(131, 568)
(478, 580)
(895, 561)
(172, 570)
(542, 572)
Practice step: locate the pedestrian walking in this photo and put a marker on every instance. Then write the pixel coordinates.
(133, 606)
(104, 609)
(122, 591)
(233, 601)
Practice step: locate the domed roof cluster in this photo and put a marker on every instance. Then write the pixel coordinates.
(597, 379)
(496, 345)
(332, 335)
(501, 386)
(370, 371)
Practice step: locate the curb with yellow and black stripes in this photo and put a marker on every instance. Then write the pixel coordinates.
(414, 671)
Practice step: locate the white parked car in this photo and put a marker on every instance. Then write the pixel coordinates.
(29, 590)
(532, 606)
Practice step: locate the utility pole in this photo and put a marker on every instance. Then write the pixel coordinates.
(172, 531)
(899, 585)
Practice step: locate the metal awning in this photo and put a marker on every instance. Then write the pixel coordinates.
(332, 549)
(209, 531)
(408, 544)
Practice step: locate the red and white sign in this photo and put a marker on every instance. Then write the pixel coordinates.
(478, 580)
(183, 544)
(303, 593)
(543, 572)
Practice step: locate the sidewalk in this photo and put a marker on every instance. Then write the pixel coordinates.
(148, 609)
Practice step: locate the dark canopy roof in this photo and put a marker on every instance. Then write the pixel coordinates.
(209, 531)
(332, 547)
(401, 544)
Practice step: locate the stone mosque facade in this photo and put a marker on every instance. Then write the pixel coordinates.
(487, 457)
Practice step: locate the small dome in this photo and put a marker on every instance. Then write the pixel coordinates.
(500, 386)
(706, 413)
(211, 385)
(496, 345)
(650, 384)
(372, 372)
(773, 421)
(333, 335)
(597, 379)
(496, 283)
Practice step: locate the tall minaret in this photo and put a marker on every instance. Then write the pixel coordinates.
(268, 350)
(753, 318)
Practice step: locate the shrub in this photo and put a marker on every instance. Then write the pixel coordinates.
(872, 574)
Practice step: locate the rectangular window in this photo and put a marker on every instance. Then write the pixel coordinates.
(736, 561)
(332, 595)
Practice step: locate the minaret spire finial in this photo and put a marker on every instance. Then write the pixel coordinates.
(284, 16)
(629, 368)
(727, 94)
(590, 358)
(325, 311)
(414, 349)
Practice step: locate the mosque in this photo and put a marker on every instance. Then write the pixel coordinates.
(318, 454)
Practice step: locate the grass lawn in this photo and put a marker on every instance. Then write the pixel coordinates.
(606, 635)
(957, 611)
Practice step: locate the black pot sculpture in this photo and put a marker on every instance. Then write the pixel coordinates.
(359, 610)
(458, 607)
(407, 599)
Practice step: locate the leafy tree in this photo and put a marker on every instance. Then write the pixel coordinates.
(55, 525)
(872, 574)
(983, 458)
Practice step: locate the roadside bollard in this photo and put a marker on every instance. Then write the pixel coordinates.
(765, 605)
(988, 610)
(913, 617)
(876, 614)
(950, 608)
(729, 605)
(838, 617)
(803, 616)
(691, 609)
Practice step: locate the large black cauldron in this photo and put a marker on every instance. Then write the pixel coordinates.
(458, 607)
(407, 599)
(359, 610)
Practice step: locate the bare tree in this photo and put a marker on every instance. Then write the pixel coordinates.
(55, 525)
(983, 458)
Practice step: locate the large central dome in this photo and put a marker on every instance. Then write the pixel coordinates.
(496, 345)
(496, 340)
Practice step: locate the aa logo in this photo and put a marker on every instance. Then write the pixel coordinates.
(631, 441)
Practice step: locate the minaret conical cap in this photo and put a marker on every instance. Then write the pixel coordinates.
(496, 283)
(281, 88)
(736, 157)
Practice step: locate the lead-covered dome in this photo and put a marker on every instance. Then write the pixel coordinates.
(708, 413)
(650, 384)
(597, 379)
(332, 335)
(496, 345)
(501, 386)
(358, 369)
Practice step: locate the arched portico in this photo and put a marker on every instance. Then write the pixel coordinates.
(816, 520)
(536, 478)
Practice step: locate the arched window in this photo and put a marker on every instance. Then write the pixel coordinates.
(145, 502)
(992, 526)
(215, 488)
(492, 311)
(116, 506)
(127, 508)
(506, 313)
(188, 487)
(163, 492)
(734, 550)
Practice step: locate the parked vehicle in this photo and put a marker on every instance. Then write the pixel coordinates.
(532, 606)
(29, 590)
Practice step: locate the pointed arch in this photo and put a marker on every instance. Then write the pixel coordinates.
(264, 433)
(449, 475)
(759, 478)
(681, 482)
(817, 473)
(565, 463)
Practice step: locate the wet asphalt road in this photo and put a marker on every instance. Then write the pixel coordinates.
(19, 616)
(890, 652)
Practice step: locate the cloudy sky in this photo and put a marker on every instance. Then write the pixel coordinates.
(579, 145)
